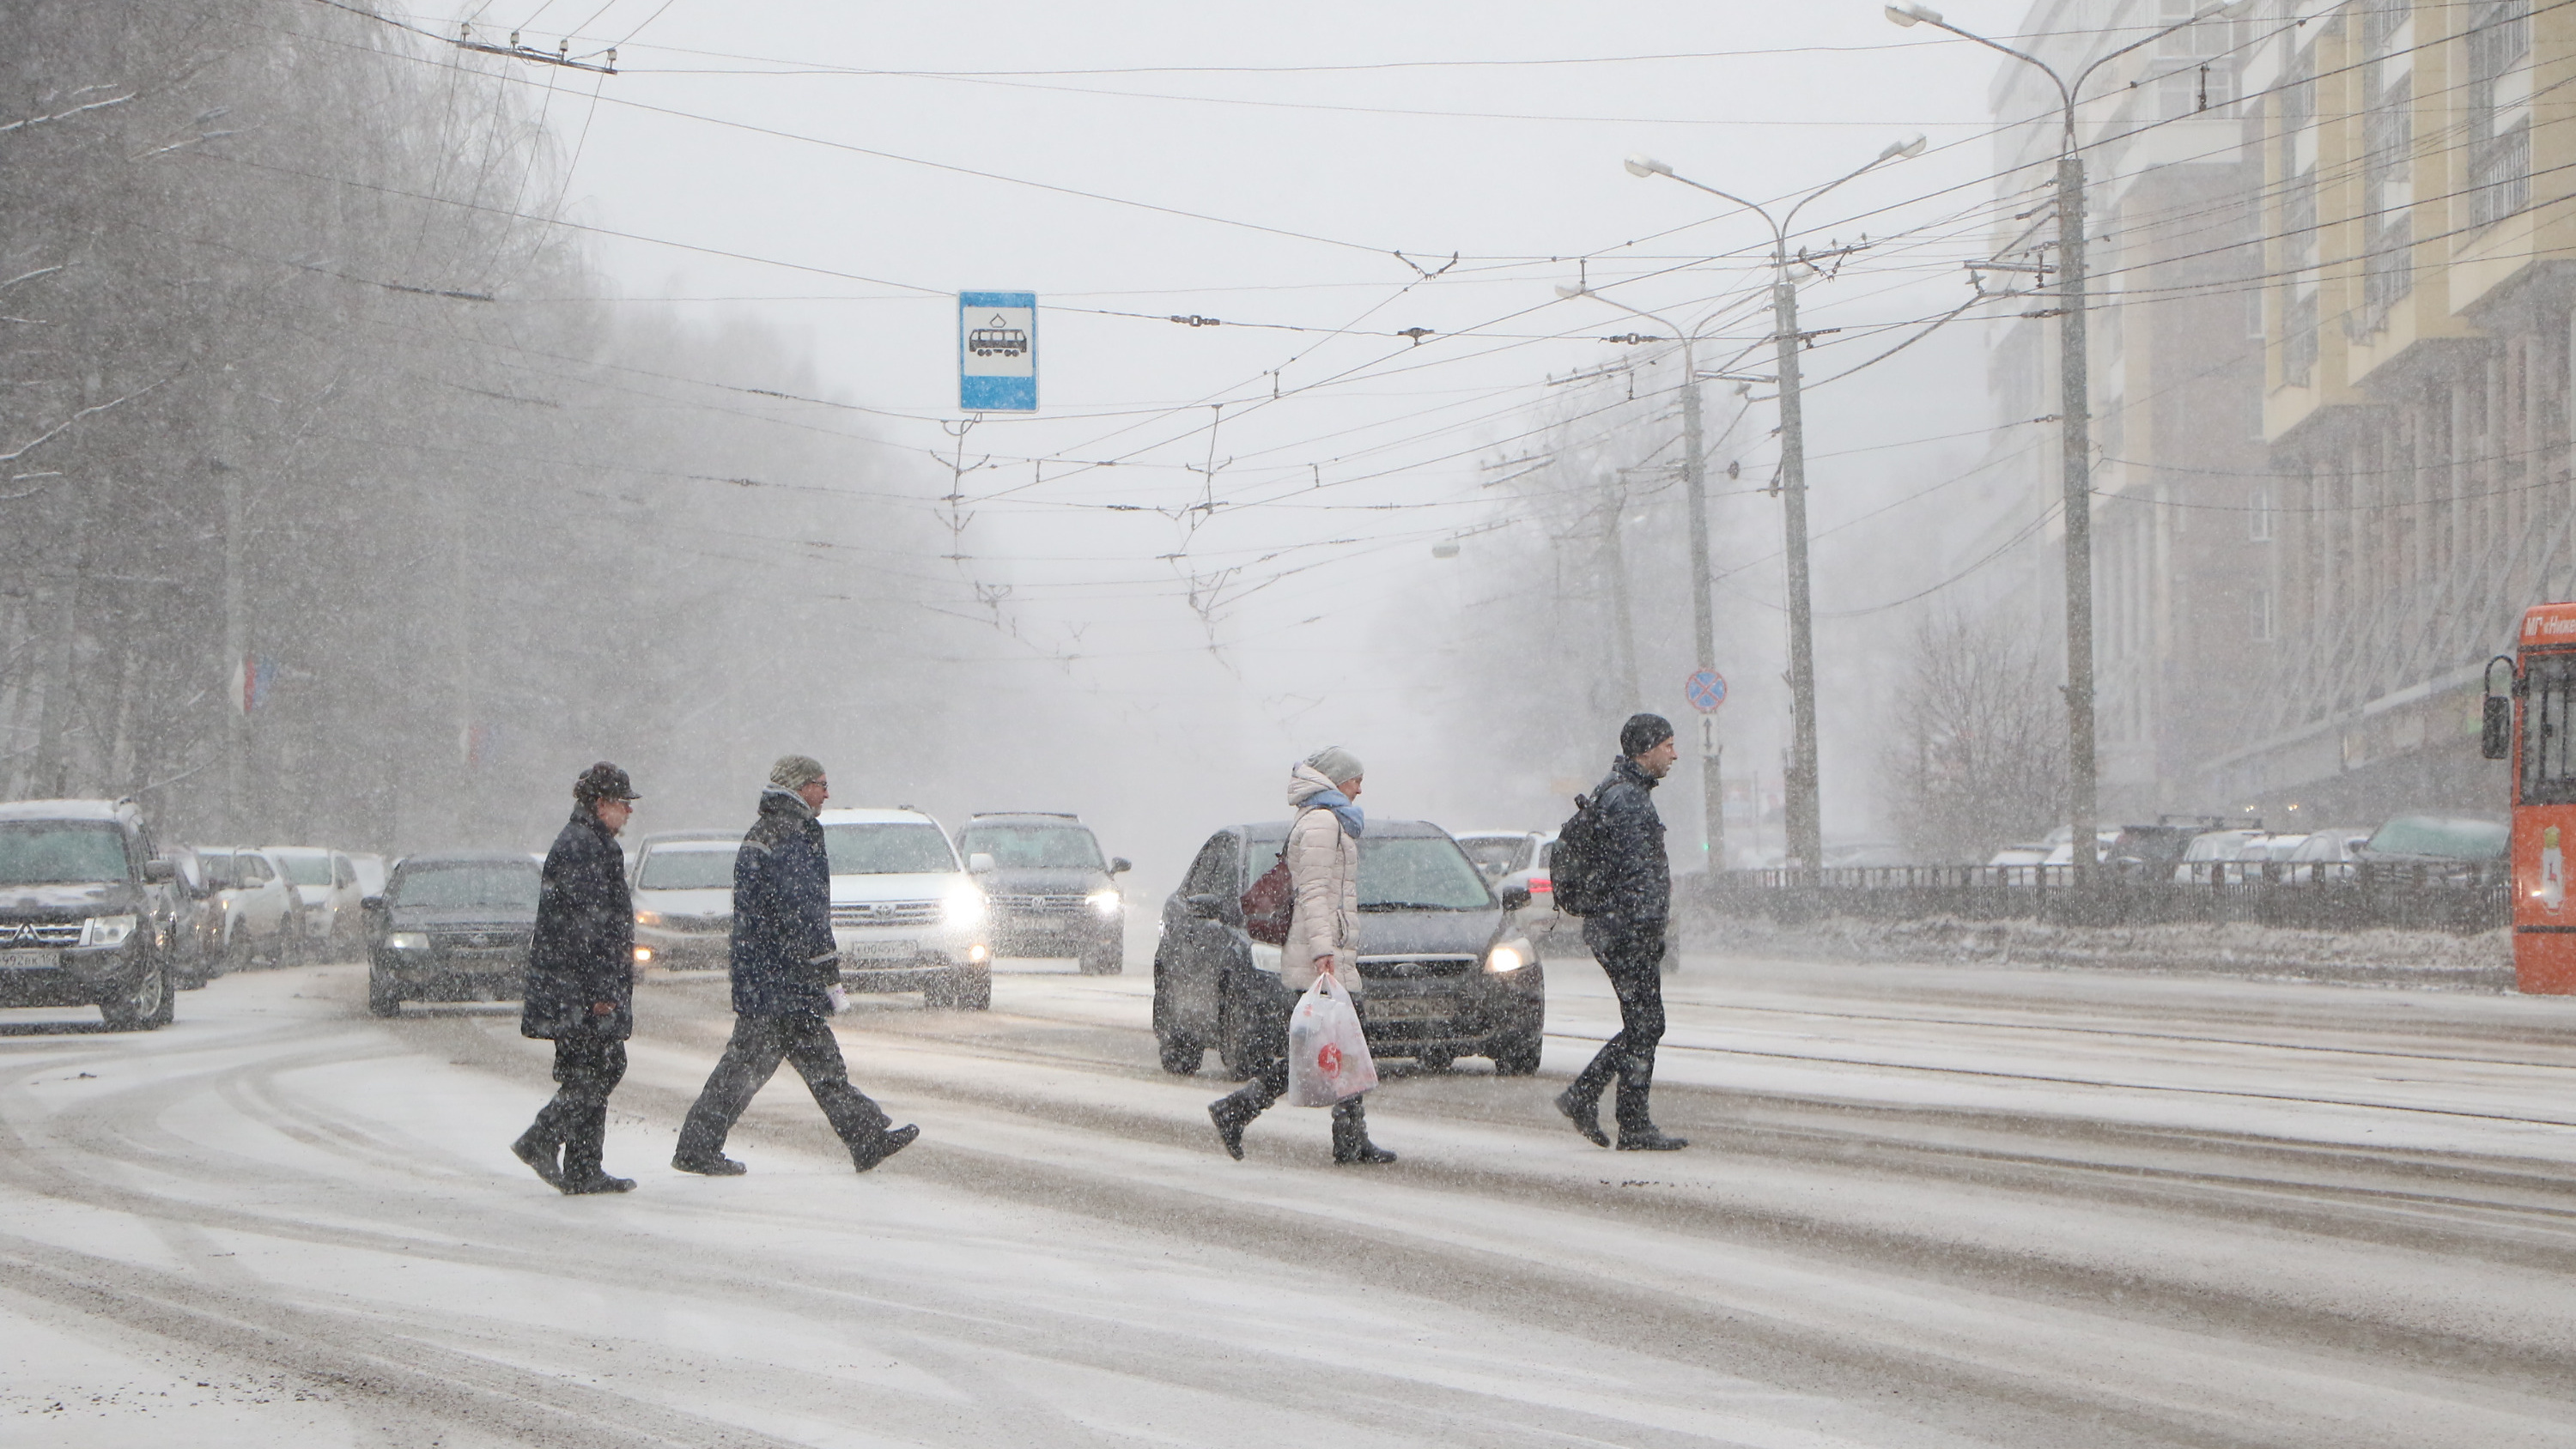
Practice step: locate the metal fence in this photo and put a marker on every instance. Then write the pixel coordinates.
(2464, 897)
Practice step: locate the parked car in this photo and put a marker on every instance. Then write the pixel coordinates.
(1049, 890)
(1445, 966)
(85, 911)
(197, 920)
(683, 888)
(262, 912)
(2336, 848)
(2149, 851)
(2029, 852)
(905, 914)
(1508, 858)
(2452, 847)
(371, 872)
(2061, 844)
(2212, 857)
(453, 926)
(326, 887)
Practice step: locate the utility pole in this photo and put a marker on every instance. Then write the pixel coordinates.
(1806, 846)
(1703, 610)
(1623, 648)
(2075, 409)
(236, 656)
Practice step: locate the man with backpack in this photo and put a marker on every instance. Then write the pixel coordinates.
(1623, 891)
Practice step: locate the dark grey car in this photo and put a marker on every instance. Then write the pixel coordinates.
(451, 927)
(86, 911)
(1048, 891)
(1445, 971)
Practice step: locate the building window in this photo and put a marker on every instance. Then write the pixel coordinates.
(2388, 257)
(2499, 119)
(2262, 620)
(2258, 515)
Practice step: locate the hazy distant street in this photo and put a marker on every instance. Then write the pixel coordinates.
(1923, 1206)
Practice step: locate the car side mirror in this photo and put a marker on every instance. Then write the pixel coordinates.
(979, 863)
(1515, 897)
(371, 903)
(1207, 908)
(1120, 865)
(160, 870)
(2495, 728)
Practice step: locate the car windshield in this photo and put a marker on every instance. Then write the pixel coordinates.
(892, 848)
(696, 868)
(312, 870)
(2446, 839)
(497, 883)
(1034, 847)
(1496, 854)
(60, 852)
(1419, 872)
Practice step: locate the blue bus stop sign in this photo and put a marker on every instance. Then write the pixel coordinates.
(997, 352)
(1707, 690)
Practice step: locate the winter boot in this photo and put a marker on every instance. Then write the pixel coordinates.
(1649, 1138)
(542, 1157)
(1351, 1143)
(1585, 1113)
(716, 1165)
(1232, 1114)
(885, 1145)
(599, 1182)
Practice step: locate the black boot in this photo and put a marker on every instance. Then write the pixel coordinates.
(1649, 1138)
(1350, 1135)
(1232, 1114)
(1585, 1113)
(542, 1157)
(886, 1145)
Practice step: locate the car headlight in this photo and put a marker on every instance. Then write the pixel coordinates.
(1509, 956)
(965, 906)
(648, 918)
(1104, 901)
(106, 930)
(408, 940)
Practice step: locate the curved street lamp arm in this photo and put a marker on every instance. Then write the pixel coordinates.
(2206, 13)
(1754, 207)
(2065, 92)
(1821, 190)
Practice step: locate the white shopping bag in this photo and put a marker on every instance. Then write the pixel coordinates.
(1328, 1056)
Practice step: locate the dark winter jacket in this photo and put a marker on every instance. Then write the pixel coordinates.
(583, 952)
(1635, 887)
(783, 956)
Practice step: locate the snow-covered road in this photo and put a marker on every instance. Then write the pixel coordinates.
(1925, 1206)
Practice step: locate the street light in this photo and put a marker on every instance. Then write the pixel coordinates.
(2075, 404)
(1806, 813)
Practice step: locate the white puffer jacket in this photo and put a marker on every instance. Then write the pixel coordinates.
(1324, 876)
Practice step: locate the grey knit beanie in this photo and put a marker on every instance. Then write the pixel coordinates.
(1336, 764)
(795, 772)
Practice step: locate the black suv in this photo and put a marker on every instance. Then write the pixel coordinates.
(85, 911)
(1046, 889)
(451, 927)
(1445, 970)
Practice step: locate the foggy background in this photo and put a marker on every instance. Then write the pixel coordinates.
(577, 416)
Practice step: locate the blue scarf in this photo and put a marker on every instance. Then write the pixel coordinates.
(1353, 822)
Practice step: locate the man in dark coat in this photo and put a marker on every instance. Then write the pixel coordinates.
(581, 984)
(1625, 933)
(786, 984)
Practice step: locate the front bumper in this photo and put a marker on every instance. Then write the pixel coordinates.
(436, 974)
(1033, 934)
(684, 950)
(74, 976)
(898, 958)
(1468, 1014)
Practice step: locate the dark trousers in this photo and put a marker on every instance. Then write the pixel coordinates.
(587, 1068)
(1632, 958)
(759, 1043)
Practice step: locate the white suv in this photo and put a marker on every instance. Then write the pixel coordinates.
(905, 914)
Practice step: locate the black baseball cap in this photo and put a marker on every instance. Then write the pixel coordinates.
(604, 781)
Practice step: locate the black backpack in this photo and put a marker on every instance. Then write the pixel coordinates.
(1574, 864)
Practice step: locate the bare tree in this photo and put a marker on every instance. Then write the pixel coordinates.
(1976, 759)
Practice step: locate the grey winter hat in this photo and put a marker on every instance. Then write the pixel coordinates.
(1336, 764)
(795, 772)
(1643, 732)
(603, 781)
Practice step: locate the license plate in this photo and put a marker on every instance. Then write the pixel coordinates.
(30, 960)
(881, 950)
(1403, 1008)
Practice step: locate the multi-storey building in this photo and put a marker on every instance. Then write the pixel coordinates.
(2418, 222)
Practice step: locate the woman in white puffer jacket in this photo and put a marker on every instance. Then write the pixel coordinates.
(1323, 853)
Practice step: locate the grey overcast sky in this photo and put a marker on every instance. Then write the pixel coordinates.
(836, 143)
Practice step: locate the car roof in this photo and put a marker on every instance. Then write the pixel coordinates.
(468, 857)
(1405, 829)
(297, 849)
(1060, 818)
(68, 810)
(904, 816)
(1494, 834)
(694, 845)
(678, 837)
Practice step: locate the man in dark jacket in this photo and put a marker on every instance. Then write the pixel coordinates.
(1625, 933)
(786, 984)
(581, 984)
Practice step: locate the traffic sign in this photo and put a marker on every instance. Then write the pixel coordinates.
(1706, 690)
(997, 352)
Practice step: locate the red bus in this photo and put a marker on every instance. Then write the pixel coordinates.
(2534, 725)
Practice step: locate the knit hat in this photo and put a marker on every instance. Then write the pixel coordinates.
(795, 772)
(1643, 732)
(603, 781)
(1336, 764)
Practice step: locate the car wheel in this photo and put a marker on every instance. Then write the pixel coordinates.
(236, 950)
(290, 946)
(384, 998)
(1232, 1051)
(1182, 1054)
(972, 991)
(142, 1006)
(1517, 1056)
